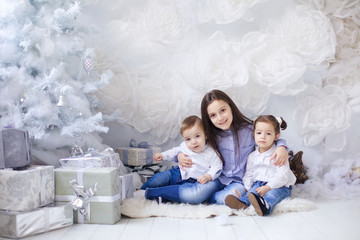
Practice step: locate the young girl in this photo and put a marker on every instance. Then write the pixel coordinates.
(230, 134)
(266, 184)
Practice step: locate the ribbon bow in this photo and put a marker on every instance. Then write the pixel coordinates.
(93, 152)
(81, 202)
(76, 151)
(140, 145)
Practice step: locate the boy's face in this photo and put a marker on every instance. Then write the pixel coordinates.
(194, 138)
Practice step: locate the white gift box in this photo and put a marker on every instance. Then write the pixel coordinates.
(21, 224)
(101, 208)
(107, 158)
(28, 189)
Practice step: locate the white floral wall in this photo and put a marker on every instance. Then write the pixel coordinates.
(297, 59)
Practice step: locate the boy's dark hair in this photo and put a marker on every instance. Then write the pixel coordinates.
(189, 122)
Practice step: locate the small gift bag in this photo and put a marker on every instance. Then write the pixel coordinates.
(14, 148)
(126, 186)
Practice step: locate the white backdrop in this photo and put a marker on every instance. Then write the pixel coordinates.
(295, 59)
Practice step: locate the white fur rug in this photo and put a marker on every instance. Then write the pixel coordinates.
(142, 208)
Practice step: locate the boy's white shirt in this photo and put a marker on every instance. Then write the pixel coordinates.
(206, 161)
(260, 168)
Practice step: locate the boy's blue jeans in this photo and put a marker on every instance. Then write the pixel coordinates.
(165, 178)
(272, 197)
(169, 186)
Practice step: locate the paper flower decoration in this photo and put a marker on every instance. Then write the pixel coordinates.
(322, 116)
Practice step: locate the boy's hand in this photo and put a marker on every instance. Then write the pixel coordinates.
(157, 157)
(204, 178)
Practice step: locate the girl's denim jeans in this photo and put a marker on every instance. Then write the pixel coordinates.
(272, 197)
(223, 190)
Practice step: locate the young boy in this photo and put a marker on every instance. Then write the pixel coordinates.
(207, 164)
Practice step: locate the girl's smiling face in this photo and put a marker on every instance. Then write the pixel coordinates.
(220, 114)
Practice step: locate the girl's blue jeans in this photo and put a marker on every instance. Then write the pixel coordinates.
(272, 197)
(223, 190)
(170, 187)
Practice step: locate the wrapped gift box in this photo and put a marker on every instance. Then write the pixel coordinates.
(28, 189)
(146, 172)
(15, 224)
(127, 186)
(133, 156)
(104, 206)
(107, 158)
(14, 148)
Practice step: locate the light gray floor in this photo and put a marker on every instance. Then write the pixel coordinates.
(335, 220)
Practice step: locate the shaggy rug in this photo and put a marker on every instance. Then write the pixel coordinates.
(142, 208)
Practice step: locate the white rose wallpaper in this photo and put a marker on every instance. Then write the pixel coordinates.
(128, 69)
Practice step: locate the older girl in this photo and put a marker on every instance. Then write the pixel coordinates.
(230, 134)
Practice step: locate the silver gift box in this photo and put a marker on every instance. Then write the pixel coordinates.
(132, 156)
(28, 189)
(14, 148)
(21, 224)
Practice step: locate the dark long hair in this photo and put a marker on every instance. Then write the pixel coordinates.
(239, 120)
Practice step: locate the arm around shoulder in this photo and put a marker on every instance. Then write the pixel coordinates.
(281, 143)
(281, 153)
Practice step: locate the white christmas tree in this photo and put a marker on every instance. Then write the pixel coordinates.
(48, 77)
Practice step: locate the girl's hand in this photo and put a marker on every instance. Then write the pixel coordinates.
(157, 157)
(184, 161)
(263, 190)
(281, 156)
(204, 178)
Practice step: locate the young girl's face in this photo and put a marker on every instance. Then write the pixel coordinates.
(264, 135)
(194, 138)
(220, 114)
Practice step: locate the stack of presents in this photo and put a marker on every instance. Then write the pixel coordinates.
(86, 188)
(138, 158)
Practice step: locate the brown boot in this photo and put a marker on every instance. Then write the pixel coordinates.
(234, 203)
